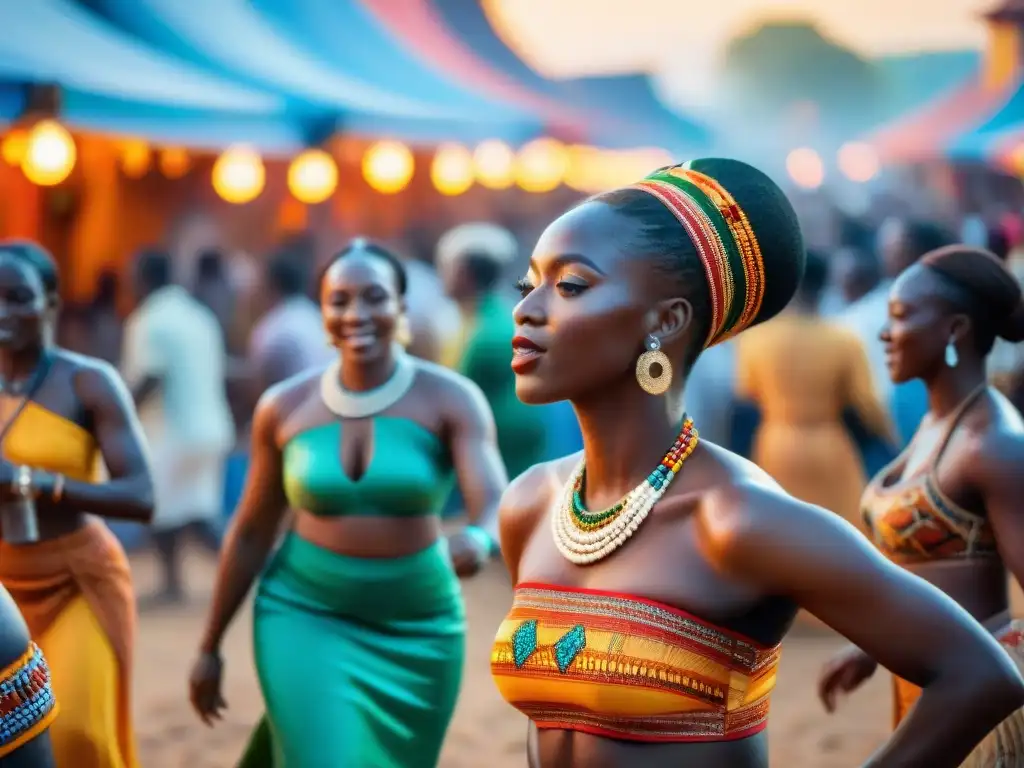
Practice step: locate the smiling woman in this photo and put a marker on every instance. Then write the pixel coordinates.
(364, 586)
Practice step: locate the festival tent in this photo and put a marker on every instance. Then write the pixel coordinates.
(326, 60)
(457, 37)
(999, 137)
(934, 130)
(111, 82)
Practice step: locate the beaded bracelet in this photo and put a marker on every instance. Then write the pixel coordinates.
(27, 704)
(481, 538)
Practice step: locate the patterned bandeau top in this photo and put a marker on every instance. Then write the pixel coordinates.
(911, 520)
(629, 668)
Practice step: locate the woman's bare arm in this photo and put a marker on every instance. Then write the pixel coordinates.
(128, 494)
(785, 547)
(474, 448)
(254, 527)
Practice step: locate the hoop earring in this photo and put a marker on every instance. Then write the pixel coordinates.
(653, 368)
(952, 358)
(403, 331)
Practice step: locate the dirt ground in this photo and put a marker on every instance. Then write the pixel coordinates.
(486, 733)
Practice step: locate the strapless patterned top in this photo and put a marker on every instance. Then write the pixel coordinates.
(629, 668)
(911, 520)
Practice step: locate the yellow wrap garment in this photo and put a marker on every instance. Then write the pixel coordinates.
(75, 593)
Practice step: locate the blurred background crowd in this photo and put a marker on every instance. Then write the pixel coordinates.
(246, 142)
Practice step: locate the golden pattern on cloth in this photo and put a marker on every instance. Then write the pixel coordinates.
(629, 668)
(1004, 746)
(915, 521)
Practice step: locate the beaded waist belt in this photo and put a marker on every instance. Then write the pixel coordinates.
(628, 668)
(27, 704)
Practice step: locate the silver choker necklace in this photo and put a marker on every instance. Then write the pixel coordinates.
(347, 404)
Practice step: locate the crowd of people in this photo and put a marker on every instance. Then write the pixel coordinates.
(687, 429)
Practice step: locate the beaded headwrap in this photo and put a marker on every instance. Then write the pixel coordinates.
(725, 242)
(27, 706)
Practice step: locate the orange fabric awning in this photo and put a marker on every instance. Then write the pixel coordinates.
(926, 133)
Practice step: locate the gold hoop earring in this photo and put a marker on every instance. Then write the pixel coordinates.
(653, 368)
(403, 331)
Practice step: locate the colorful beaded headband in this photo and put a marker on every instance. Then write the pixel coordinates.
(724, 239)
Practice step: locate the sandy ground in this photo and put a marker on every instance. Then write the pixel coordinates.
(486, 733)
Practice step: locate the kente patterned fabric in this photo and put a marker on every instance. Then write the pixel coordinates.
(629, 668)
(724, 239)
(1004, 746)
(914, 521)
(27, 704)
(911, 519)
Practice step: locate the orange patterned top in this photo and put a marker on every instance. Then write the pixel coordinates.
(912, 520)
(629, 668)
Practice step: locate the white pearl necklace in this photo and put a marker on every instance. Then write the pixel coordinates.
(583, 547)
(358, 405)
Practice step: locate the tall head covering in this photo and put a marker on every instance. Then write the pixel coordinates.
(745, 233)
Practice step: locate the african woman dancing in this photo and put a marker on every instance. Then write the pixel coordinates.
(656, 575)
(359, 623)
(59, 414)
(948, 509)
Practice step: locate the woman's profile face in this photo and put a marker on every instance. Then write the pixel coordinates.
(360, 304)
(23, 305)
(919, 326)
(580, 324)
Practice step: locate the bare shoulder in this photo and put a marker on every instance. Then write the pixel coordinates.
(280, 400)
(747, 522)
(94, 380)
(455, 393)
(993, 443)
(527, 500)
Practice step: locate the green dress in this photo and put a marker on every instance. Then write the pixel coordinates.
(486, 360)
(359, 659)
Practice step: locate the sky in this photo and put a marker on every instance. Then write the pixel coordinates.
(681, 41)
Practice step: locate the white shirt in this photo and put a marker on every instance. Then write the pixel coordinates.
(292, 330)
(866, 317)
(175, 338)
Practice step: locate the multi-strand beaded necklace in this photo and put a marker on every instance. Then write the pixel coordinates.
(585, 537)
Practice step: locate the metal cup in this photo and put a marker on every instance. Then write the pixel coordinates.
(18, 521)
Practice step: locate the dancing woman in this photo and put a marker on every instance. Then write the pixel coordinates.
(359, 623)
(657, 575)
(948, 508)
(59, 414)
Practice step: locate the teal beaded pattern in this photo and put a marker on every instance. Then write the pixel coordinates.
(26, 698)
(584, 536)
(566, 648)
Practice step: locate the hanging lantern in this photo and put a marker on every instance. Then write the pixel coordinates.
(494, 164)
(805, 168)
(541, 165)
(858, 161)
(14, 147)
(452, 169)
(50, 154)
(238, 174)
(136, 158)
(388, 166)
(174, 162)
(313, 176)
